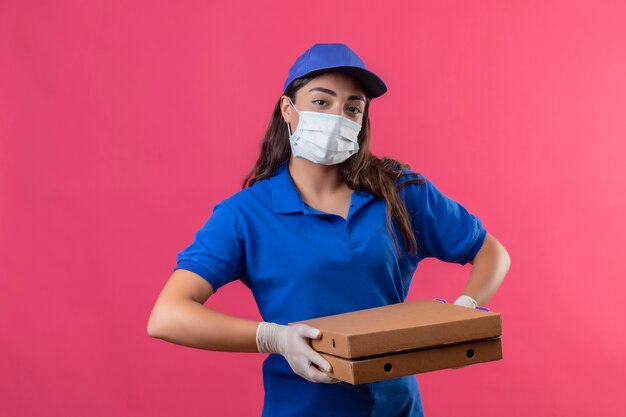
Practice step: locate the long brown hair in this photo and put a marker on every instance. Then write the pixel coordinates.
(363, 171)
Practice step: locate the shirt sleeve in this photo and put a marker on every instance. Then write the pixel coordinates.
(216, 253)
(444, 229)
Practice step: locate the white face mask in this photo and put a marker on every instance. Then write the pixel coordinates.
(324, 138)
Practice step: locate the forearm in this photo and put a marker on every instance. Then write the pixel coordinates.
(489, 267)
(189, 323)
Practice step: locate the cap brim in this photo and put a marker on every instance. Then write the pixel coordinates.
(374, 85)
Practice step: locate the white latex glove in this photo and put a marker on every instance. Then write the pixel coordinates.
(292, 342)
(466, 301)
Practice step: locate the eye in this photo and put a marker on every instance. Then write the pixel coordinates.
(320, 100)
(354, 109)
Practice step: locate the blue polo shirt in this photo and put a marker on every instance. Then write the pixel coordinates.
(302, 263)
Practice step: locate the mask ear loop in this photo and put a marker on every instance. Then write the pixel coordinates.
(294, 107)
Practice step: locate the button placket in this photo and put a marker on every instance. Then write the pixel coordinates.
(341, 225)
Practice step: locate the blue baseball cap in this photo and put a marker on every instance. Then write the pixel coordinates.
(326, 57)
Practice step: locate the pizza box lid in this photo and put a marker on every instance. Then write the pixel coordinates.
(401, 327)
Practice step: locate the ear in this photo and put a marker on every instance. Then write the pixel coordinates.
(286, 109)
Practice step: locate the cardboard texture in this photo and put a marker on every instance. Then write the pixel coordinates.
(406, 338)
(379, 368)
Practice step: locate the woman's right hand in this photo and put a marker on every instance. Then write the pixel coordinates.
(292, 343)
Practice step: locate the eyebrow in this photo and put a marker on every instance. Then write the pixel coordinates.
(332, 93)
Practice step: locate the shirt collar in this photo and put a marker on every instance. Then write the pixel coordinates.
(286, 198)
(285, 195)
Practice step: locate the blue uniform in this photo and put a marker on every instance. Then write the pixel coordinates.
(302, 263)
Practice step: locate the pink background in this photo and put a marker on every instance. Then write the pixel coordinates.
(123, 123)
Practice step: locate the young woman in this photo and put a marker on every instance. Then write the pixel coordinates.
(321, 227)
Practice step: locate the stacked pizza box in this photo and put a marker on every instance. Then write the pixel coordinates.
(404, 339)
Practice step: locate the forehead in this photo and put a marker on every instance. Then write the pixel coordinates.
(342, 84)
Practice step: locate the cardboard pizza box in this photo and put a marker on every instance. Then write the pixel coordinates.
(379, 368)
(402, 327)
